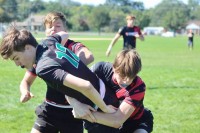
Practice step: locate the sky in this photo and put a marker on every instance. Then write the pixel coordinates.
(147, 3)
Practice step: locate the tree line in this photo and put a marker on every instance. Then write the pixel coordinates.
(108, 17)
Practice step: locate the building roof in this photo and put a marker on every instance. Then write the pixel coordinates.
(34, 20)
(193, 26)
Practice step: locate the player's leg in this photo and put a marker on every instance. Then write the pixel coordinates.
(140, 131)
(109, 98)
(68, 124)
(142, 125)
(146, 122)
(42, 123)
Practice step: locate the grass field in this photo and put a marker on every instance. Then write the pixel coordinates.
(170, 71)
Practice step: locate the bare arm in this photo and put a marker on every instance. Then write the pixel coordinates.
(117, 36)
(115, 119)
(141, 37)
(85, 55)
(25, 87)
(81, 110)
(87, 89)
(64, 36)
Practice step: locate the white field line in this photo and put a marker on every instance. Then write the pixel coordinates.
(99, 39)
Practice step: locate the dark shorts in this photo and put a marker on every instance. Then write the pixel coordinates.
(110, 99)
(52, 119)
(145, 122)
(190, 43)
(98, 128)
(128, 46)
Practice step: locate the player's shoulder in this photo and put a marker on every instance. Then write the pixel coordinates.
(100, 66)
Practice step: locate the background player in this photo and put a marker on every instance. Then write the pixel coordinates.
(129, 32)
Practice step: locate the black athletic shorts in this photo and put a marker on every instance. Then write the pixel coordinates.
(145, 122)
(52, 119)
(128, 46)
(98, 128)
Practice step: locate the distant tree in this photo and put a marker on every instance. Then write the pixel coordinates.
(128, 3)
(195, 14)
(100, 18)
(36, 6)
(80, 18)
(171, 14)
(143, 19)
(8, 10)
(194, 7)
(117, 20)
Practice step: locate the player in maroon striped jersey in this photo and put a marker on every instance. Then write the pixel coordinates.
(122, 77)
(55, 102)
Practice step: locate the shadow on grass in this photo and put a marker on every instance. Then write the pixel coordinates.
(174, 87)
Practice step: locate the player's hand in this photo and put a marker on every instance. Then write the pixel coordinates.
(137, 35)
(83, 111)
(50, 31)
(111, 109)
(26, 96)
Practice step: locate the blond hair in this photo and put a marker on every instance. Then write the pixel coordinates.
(127, 63)
(130, 17)
(53, 16)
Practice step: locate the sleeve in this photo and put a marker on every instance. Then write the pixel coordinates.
(50, 40)
(77, 46)
(97, 68)
(55, 37)
(32, 71)
(121, 30)
(53, 76)
(139, 31)
(136, 94)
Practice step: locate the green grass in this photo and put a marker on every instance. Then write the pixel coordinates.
(170, 71)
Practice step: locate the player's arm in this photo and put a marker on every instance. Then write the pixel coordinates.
(83, 53)
(25, 86)
(64, 37)
(117, 36)
(87, 89)
(140, 35)
(115, 119)
(81, 110)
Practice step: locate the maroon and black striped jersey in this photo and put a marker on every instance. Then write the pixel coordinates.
(133, 94)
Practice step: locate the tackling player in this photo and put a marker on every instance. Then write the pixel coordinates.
(121, 76)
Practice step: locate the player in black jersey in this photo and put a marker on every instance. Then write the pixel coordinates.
(59, 67)
(55, 102)
(121, 77)
(129, 32)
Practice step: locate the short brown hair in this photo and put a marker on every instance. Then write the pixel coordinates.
(127, 63)
(53, 16)
(130, 17)
(15, 40)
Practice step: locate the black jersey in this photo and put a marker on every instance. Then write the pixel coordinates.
(132, 94)
(53, 95)
(54, 61)
(128, 34)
